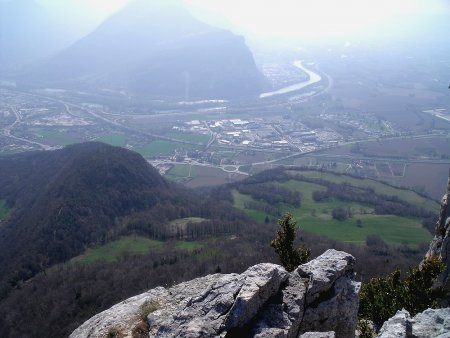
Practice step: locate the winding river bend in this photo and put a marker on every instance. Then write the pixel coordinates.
(313, 78)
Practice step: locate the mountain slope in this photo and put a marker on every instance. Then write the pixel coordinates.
(157, 48)
(66, 200)
(27, 32)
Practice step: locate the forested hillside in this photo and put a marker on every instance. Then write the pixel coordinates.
(64, 201)
(89, 225)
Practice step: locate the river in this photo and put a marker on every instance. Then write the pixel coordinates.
(313, 78)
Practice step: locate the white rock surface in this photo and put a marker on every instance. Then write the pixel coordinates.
(432, 323)
(318, 335)
(399, 326)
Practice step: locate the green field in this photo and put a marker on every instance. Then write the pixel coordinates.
(316, 217)
(190, 137)
(180, 224)
(4, 210)
(113, 251)
(56, 137)
(379, 188)
(118, 140)
(157, 148)
(184, 221)
(182, 170)
(132, 245)
(188, 246)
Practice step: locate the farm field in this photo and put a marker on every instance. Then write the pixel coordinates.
(190, 137)
(316, 217)
(209, 176)
(56, 137)
(378, 187)
(113, 251)
(158, 147)
(181, 172)
(429, 178)
(433, 147)
(131, 245)
(118, 140)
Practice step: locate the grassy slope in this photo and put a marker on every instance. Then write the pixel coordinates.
(132, 245)
(316, 217)
(112, 251)
(379, 188)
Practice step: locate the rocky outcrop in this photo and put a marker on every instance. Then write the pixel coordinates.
(432, 323)
(318, 299)
(428, 324)
(440, 245)
(398, 326)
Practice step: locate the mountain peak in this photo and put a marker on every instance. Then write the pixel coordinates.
(158, 49)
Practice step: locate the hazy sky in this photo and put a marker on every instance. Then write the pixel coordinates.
(287, 18)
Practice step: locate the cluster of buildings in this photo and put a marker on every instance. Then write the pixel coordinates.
(261, 133)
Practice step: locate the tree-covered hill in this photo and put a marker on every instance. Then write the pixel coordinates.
(66, 200)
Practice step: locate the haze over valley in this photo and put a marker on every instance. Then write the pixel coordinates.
(206, 106)
(146, 142)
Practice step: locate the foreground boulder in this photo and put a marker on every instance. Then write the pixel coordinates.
(428, 324)
(318, 299)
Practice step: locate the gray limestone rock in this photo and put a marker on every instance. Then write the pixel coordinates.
(332, 295)
(123, 316)
(329, 334)
(337, 311)
(264, 301)
(320, 296)
(282, 316)
(432, 323)
(324, 271)
(261, 282)
(399, 326)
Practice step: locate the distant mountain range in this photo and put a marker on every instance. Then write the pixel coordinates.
(153, 48)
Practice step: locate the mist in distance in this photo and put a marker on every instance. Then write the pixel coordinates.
(285, 19)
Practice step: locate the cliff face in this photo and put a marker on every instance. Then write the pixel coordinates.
(440, 245)
(264, 301)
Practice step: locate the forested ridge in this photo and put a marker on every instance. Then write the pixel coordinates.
(67, 200)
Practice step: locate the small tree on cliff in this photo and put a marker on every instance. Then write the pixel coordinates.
(284, 244)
